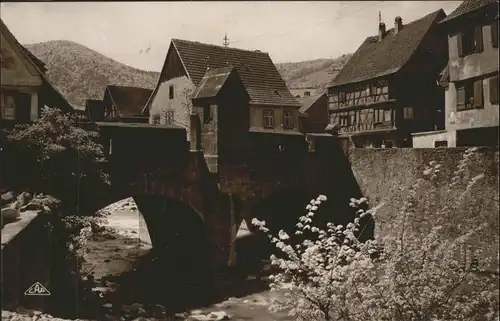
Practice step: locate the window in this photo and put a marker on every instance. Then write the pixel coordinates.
(342, 97)
(408, 113)
(8, 106)
(344, 120)
(494, 34)
(387, 115)
(169, 117)
(287, 119)
(379, 116)
(470, 94)
(171, 92)
(493, 83)
(371, 89)
(441, 143)
(268, 118)
(352, 118)
(470, 41)
(156, 119)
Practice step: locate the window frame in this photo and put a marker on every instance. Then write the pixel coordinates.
(440, 144)
(288, 115)
(171, 92)
(343, 120)
(470, 41)
(268, 115)
(12, 106)
(493, 88)
(494, 34)
(156, 119)
(408, 113)
(342, 97)
(473, 94)
(169, 117)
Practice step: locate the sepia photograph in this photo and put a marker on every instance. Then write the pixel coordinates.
(249, 160)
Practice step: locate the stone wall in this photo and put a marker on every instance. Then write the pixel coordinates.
(381, 173)
(25, 260)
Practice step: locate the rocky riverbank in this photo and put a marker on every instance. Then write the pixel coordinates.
(111, 266)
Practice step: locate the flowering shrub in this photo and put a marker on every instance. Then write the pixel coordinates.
(55, 156)
(419, 272)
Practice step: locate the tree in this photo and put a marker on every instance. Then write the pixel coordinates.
(417, 273)
(57, 157)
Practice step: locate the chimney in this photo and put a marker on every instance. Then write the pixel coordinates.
(307, 93)
(381, 31)
(398, 24)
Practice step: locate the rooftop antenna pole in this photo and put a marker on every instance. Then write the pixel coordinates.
(226, 41)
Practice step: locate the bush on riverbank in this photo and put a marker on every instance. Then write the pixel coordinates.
(71, 295)
(438, 265)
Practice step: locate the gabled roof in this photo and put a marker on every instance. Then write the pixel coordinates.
(466, 7)
(94, 108)
(128, 101)
(257, 71)
(63, 103)
(40, 64)
(380, 58)
(307, 101)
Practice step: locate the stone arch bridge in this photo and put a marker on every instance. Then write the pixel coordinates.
(156, 166)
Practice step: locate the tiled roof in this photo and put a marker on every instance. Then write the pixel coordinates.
(257, 71)
(466, 7)
(379, 58)
(40, 64)
(307, 101)
(94, 109)
(129, 101)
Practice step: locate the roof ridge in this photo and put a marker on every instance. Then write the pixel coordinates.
(411, 22)
(218, 46)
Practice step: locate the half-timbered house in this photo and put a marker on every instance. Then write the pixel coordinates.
(470, 78)
(388, 89)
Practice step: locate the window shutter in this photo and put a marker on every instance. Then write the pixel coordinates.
(478, 94)
(494, 90)
(459, 44)
(478, 38)
(460, 97)
(494, 34)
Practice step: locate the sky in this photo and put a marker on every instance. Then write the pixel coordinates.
(138, 33)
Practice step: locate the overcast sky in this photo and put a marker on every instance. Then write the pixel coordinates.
(289, 31)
